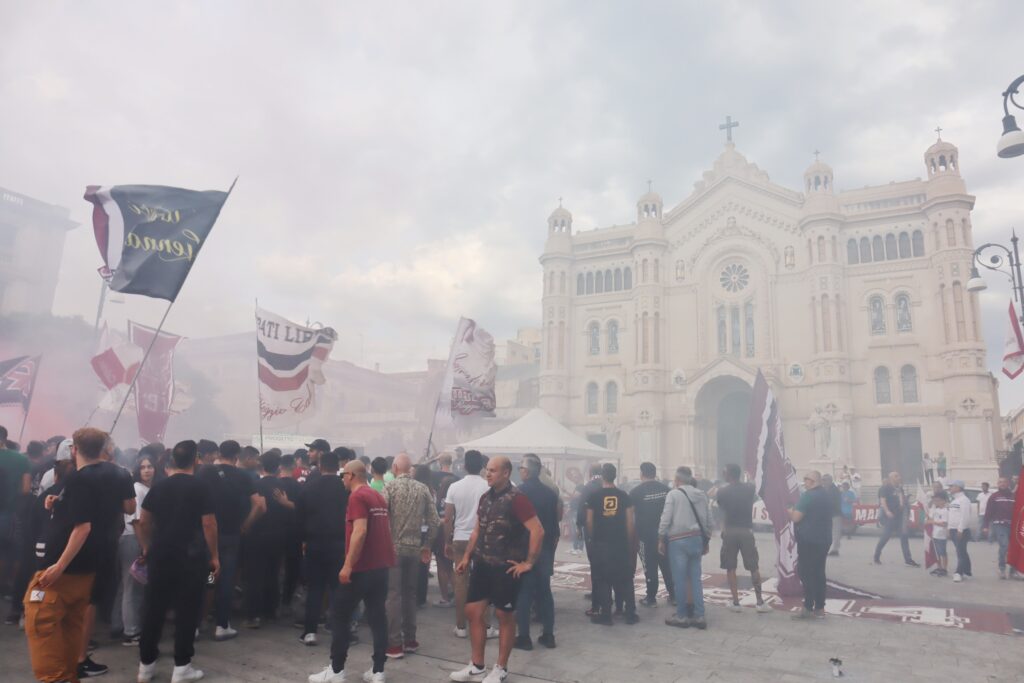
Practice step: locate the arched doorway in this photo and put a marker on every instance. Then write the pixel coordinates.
(723, 406)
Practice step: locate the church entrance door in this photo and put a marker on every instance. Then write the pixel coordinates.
(723, 406)
(900, 449)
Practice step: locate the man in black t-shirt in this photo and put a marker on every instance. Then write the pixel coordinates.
(321, 518)
(58, 596)
(293, 538)
(264, 546)
(585, 491)
(236, 506)
(649, 501)
(736, 502)
(178, 534)
(892, 513)
(812, 519)
(612, 533)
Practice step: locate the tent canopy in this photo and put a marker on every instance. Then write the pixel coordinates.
(537, 432)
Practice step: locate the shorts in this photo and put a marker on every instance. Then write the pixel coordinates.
(493, 584)
(940, 546)
(736, 541)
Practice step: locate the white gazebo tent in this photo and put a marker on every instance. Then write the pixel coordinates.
(559, 448)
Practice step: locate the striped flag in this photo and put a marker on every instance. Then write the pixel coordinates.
(290, 357)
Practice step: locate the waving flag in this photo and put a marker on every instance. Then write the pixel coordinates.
(468, 387)
(289, 358)
(117, 360)
(1013, 350)
(1015, 553)
(774, 479)
(149, 236)
(154, 389)
(18, 381)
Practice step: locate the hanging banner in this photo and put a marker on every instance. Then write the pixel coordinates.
(154, 388)
(468, 387)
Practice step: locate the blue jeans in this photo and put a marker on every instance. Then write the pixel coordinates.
(536, 586)
(227, 549)
(1002, 536)
(684, 556)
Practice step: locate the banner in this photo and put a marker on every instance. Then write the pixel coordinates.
(774, 479)
(154, 388)
(1015, 553)
(1013, 349)
(18, 381)
(289, 357)
(149, 236)
(468, 387)
(117, 360)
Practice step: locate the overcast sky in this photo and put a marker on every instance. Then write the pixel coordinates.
(398, 161)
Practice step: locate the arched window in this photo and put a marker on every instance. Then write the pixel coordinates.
(657, 270)
(723, 343)
(904, 321)
(594, 338)
(748, 327)
(618, 279)
(965, 232)
(945, 311)
(908, 383)
(592, 398)
(876, 313)
(950, 233)
(883, 391)
(550, 345)
(613, 336)
(607, 280)
(821, 249)
(852, 257)
(611, 398)
(643, 271)
(904, 245)
(590, 283)
(627, 278)
(826, 323)
(645, 331)
(680, 270)
(657, 337)
(561, 282)
(561, 344)
(865, 250)
(581, 284)
(918, 243)
(958, 311)
(891, 253)
(734, 330)
(598, 283)
(877, 249)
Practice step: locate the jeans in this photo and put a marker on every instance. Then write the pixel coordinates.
(371, 588)
(837, 533)
(324, 558)
(684, 555)
(893, 526)
(653, 561)
(1001, 532)
(611, 568)
(403, 579)
(963, 560)
(178, 586)
(127, 613)
(536, 586)
(227, 549)
(261, 567)
(811, 559)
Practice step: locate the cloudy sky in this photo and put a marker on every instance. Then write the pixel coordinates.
(397, 161)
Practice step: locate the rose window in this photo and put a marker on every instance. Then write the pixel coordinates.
(734, 277)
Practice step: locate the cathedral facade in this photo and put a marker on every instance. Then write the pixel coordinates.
(853, 304)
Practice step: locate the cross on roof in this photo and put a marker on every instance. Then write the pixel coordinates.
(649, 183)
(816, 153)
(938, 131)
(559, 202)
(727, 127)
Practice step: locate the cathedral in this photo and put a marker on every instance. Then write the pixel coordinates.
(852, 303)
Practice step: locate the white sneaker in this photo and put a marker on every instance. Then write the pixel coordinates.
(461, 632)
(467, 674)
(957, 578)
(492, 633)
(736, 607)
(146, 672)
(370, 677)
(328, 676)
(763, 608)
(498, 675)
(184, 674)
(310, 639)
(226, 633)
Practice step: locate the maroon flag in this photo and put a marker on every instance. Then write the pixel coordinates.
(154, 388)
(774, 479)
(1015, 552)
(18, 380)
(117, 360)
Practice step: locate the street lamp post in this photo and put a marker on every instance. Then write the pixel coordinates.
(998, 258)
(1011, 143)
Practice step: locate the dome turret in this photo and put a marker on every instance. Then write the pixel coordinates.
(818, 177)
(942, 158)
(560, 220)
(649, 206)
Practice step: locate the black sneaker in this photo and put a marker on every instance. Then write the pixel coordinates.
(649, 602)
(632, 618)
(523, 643)
(911, 563)
(131, 641)
(547, 640)
(90, 669)
(601, 619)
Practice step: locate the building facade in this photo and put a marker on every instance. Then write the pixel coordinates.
(31, 246)
(853, 304)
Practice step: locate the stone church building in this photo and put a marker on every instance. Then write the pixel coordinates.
(854, 305)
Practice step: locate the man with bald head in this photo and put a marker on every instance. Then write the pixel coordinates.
(369, 554)
(414, 525)
(505, 545)
(812, 518)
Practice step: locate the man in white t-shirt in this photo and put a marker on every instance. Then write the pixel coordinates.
(460, 506)
(982, 500)
(961, 514)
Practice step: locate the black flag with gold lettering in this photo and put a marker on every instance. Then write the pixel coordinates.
(149, 236)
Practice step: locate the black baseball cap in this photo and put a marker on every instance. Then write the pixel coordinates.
(320, 445)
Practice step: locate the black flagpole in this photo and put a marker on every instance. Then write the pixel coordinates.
(31, 393)
(259, 390)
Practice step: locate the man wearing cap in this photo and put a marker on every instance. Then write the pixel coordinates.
(317, 448)
(961, 515)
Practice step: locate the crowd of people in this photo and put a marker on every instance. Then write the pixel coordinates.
(224, 532)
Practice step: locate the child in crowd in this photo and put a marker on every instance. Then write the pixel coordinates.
(938, 517)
